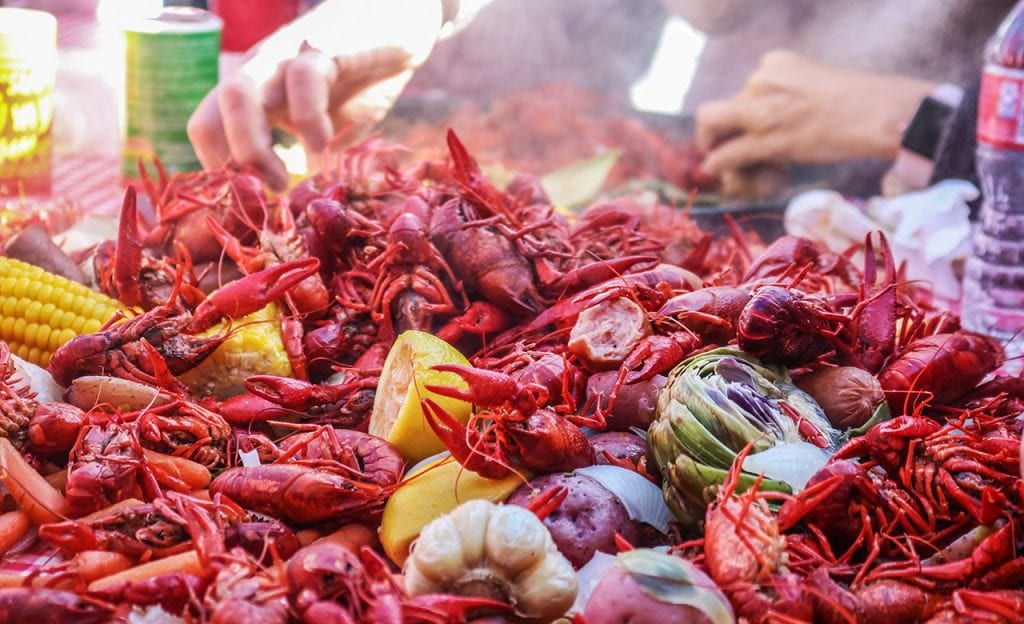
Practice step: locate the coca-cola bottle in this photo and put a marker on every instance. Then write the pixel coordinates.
(993, 294)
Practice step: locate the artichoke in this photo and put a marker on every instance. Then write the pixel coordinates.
(713, 406)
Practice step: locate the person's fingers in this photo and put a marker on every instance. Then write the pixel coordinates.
(739, 153)
(275, 95)
(718, 121)
(248, 131)
(357, 72)
(308, 81)
(206, 132)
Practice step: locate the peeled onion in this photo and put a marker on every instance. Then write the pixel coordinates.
(426, 461)
(37, 379)
(792, 462)
(641, 498)
(589, 576)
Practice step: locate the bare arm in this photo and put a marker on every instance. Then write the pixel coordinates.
(713, 16)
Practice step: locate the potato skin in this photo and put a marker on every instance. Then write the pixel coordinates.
(634, 405)
(618, 599)
(586, 521)
(620, 445)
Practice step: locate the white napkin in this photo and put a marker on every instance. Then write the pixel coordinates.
(929, 230)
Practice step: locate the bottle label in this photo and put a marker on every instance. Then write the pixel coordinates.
(1001, 107)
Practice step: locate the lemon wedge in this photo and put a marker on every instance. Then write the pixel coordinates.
(429, 493)
(397, 412)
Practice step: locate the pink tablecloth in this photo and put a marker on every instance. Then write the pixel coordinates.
(85, 171)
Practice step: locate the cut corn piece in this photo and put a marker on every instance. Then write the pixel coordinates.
(39, 311)
(255, 347)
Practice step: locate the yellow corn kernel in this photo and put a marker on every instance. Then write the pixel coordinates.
(255, 347)
(40, 311)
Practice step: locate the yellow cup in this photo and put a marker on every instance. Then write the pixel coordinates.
(28, 72)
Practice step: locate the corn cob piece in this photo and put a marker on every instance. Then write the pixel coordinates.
(255, 347)
(40, 311)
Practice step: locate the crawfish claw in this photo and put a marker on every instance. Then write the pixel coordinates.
(252, 292)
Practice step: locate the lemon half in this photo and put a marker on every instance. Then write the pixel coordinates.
(397, 413)
(429, 493)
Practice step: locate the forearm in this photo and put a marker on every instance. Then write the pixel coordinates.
(894, 99)
(715, 17)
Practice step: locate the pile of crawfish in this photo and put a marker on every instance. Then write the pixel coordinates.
(261, 507)
(557, 125)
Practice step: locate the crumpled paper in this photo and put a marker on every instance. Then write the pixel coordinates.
(928, 230)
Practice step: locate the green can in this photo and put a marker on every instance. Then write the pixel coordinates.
(171, 63)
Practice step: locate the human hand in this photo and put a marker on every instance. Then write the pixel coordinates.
(795, 110)
(346, 79)
(311, 96)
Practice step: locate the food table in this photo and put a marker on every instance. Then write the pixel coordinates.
(439, 375)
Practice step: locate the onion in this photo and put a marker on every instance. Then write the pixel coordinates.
(426, 461)
(250, 459)
(38, 380)
(793, 462)
(589, 576)
(153, 615)
(641, 498)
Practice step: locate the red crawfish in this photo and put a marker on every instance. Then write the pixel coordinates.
(185, 429)
(125, 347)
(791, 255)
(156, 529)
(184, 201)
(938, 369)
(685, 323)
(52, 606)
(950, 469)
(326, 474)
(882, 602)
(345, 404)
(784, 326)
(21, 412)
(126, 271)
(746, 553)
(410, 289)
(278, 242)
(514, 425)
(329, 583)
(105, 465)
(465, 230)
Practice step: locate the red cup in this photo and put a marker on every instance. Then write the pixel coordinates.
(246, 22)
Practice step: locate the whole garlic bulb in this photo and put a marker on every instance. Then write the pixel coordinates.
(494, 551)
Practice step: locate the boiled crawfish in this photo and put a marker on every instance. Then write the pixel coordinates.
(326, 474)
(127, 348)
(516, 424)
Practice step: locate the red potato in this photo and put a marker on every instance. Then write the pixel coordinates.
(586, 521)
(620, 596)
(627, 447)
(604, 334)
(634, 404)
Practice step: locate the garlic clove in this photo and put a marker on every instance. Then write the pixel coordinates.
(439, 550)
(515, 539)
(416, 582)
(547, 590)
(472, 519)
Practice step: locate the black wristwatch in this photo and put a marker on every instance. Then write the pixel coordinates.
(913, 165)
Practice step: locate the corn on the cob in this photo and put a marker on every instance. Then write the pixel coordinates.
(40, 311)
(255, 347)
